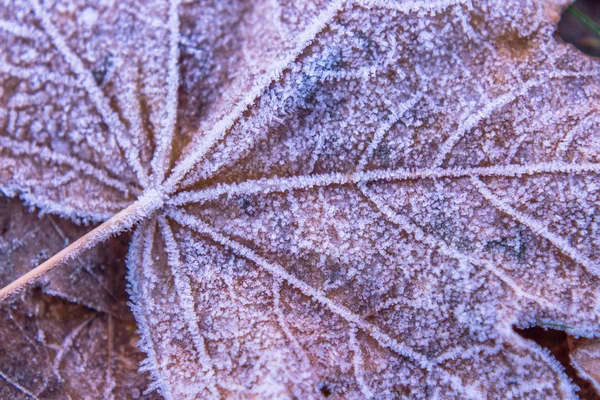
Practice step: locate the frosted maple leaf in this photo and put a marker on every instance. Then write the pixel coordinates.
(352, 199)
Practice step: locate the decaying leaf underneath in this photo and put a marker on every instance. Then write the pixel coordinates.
(565, 349)
(585, 356)
(71, 336)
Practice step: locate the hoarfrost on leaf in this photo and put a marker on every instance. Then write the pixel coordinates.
(347, 198)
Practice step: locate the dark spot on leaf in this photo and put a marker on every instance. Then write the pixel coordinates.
(9, 88)
(246, 206)
(383, 152)
(99, 73)
(514, 246)
(324, 389)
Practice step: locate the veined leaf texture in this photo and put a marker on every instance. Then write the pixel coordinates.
(344, 199)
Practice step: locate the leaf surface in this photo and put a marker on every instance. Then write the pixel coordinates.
(347, 199)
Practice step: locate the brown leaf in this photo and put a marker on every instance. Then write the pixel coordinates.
(73, 336)
(347, 199)
(585, 356)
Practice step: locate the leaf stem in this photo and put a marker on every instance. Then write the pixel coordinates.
(147, 203)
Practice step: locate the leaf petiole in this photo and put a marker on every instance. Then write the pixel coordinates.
(142, 208)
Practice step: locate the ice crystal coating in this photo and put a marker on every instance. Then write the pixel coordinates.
(352, 199)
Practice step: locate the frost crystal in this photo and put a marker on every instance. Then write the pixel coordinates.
(352, 199)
